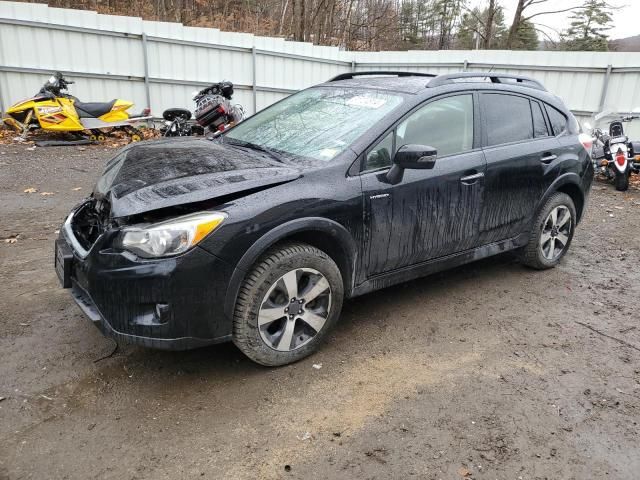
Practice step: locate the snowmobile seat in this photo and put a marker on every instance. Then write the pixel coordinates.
(93, 109)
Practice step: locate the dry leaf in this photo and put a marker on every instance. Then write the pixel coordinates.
(46, 194)
(30, 190)
(463, 472)
(76, 189)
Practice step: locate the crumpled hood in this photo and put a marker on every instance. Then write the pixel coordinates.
(157, 174)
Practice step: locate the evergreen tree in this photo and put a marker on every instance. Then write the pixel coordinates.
(588, 26)
(526, 37)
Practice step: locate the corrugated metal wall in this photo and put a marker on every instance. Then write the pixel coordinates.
(160, 63)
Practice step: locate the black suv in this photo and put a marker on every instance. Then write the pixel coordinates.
(365, 181)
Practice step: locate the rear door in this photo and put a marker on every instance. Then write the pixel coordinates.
(520, 151)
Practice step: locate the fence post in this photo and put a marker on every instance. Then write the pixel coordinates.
(254, 85)
(605, 87)
(145, 56)
(353, 65)
(1, 104)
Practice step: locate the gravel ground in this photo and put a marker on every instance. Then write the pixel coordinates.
(487, 371)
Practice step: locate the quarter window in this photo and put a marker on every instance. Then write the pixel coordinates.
(380, 155)
(558, 121)
(539, 125)
(507, 117)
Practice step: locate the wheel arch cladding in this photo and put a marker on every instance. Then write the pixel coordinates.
(576, 195)
(324, 234)
(569, 184)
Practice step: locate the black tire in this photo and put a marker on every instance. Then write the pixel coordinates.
(265, 273)
(533, 255)
(621, 181)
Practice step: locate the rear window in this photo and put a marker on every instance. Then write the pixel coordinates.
(558, 120)
(507, 118)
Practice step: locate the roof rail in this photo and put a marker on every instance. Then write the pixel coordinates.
(495, 77)
(351, 75)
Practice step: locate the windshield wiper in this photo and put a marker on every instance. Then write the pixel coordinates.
(252, 146)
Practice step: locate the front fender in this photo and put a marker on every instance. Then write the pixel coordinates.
(281, 232)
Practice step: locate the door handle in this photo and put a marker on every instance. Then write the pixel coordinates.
(471, 179)
(548, 158)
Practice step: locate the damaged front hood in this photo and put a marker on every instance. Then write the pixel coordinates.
(158, 174)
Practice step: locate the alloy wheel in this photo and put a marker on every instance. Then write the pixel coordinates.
(556, 232)
(294, 309)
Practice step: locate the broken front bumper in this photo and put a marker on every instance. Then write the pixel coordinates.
(172, 303)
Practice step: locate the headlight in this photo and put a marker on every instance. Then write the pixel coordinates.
(170, 237)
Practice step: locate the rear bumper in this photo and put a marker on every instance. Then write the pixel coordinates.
(173, 303)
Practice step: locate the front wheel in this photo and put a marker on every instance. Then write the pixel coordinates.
(287, 304)
(552, 232)
(622, 181)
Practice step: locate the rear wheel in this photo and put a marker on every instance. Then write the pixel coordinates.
(287, 304)
(622, 181)
(552, 232)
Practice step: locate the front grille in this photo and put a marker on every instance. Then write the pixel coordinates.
(90, 221)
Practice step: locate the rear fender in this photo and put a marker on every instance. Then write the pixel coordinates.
(118, 112)
(571, 180)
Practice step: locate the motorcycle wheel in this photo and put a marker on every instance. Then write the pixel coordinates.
(621, 181)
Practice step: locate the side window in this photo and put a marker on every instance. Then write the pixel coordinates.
(445, 124)
(539, 125)
(380, 155)
(507, 118)
(558, 121)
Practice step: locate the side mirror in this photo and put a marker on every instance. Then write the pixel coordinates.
(411, 157)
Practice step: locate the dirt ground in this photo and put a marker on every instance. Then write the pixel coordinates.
(490, 371)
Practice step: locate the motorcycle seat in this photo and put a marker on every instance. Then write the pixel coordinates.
(93, 109)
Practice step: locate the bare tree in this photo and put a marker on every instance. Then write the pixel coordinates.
(519, 17)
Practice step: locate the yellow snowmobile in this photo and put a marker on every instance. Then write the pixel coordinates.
(54, 110)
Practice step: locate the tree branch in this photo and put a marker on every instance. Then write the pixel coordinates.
(623, 342)
(547, 13)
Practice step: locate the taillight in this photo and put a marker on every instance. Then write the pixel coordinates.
(586, 141)
(621, 158)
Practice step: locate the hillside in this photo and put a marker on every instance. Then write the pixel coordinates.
(628, 44)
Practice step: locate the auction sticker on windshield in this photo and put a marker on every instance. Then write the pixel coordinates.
(366, 102)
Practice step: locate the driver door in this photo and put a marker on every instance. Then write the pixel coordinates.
(429, 213)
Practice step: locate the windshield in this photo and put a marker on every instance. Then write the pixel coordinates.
(318, 123)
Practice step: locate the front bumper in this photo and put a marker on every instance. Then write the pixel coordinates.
(172, 303)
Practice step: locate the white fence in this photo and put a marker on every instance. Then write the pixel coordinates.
(159, 64)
